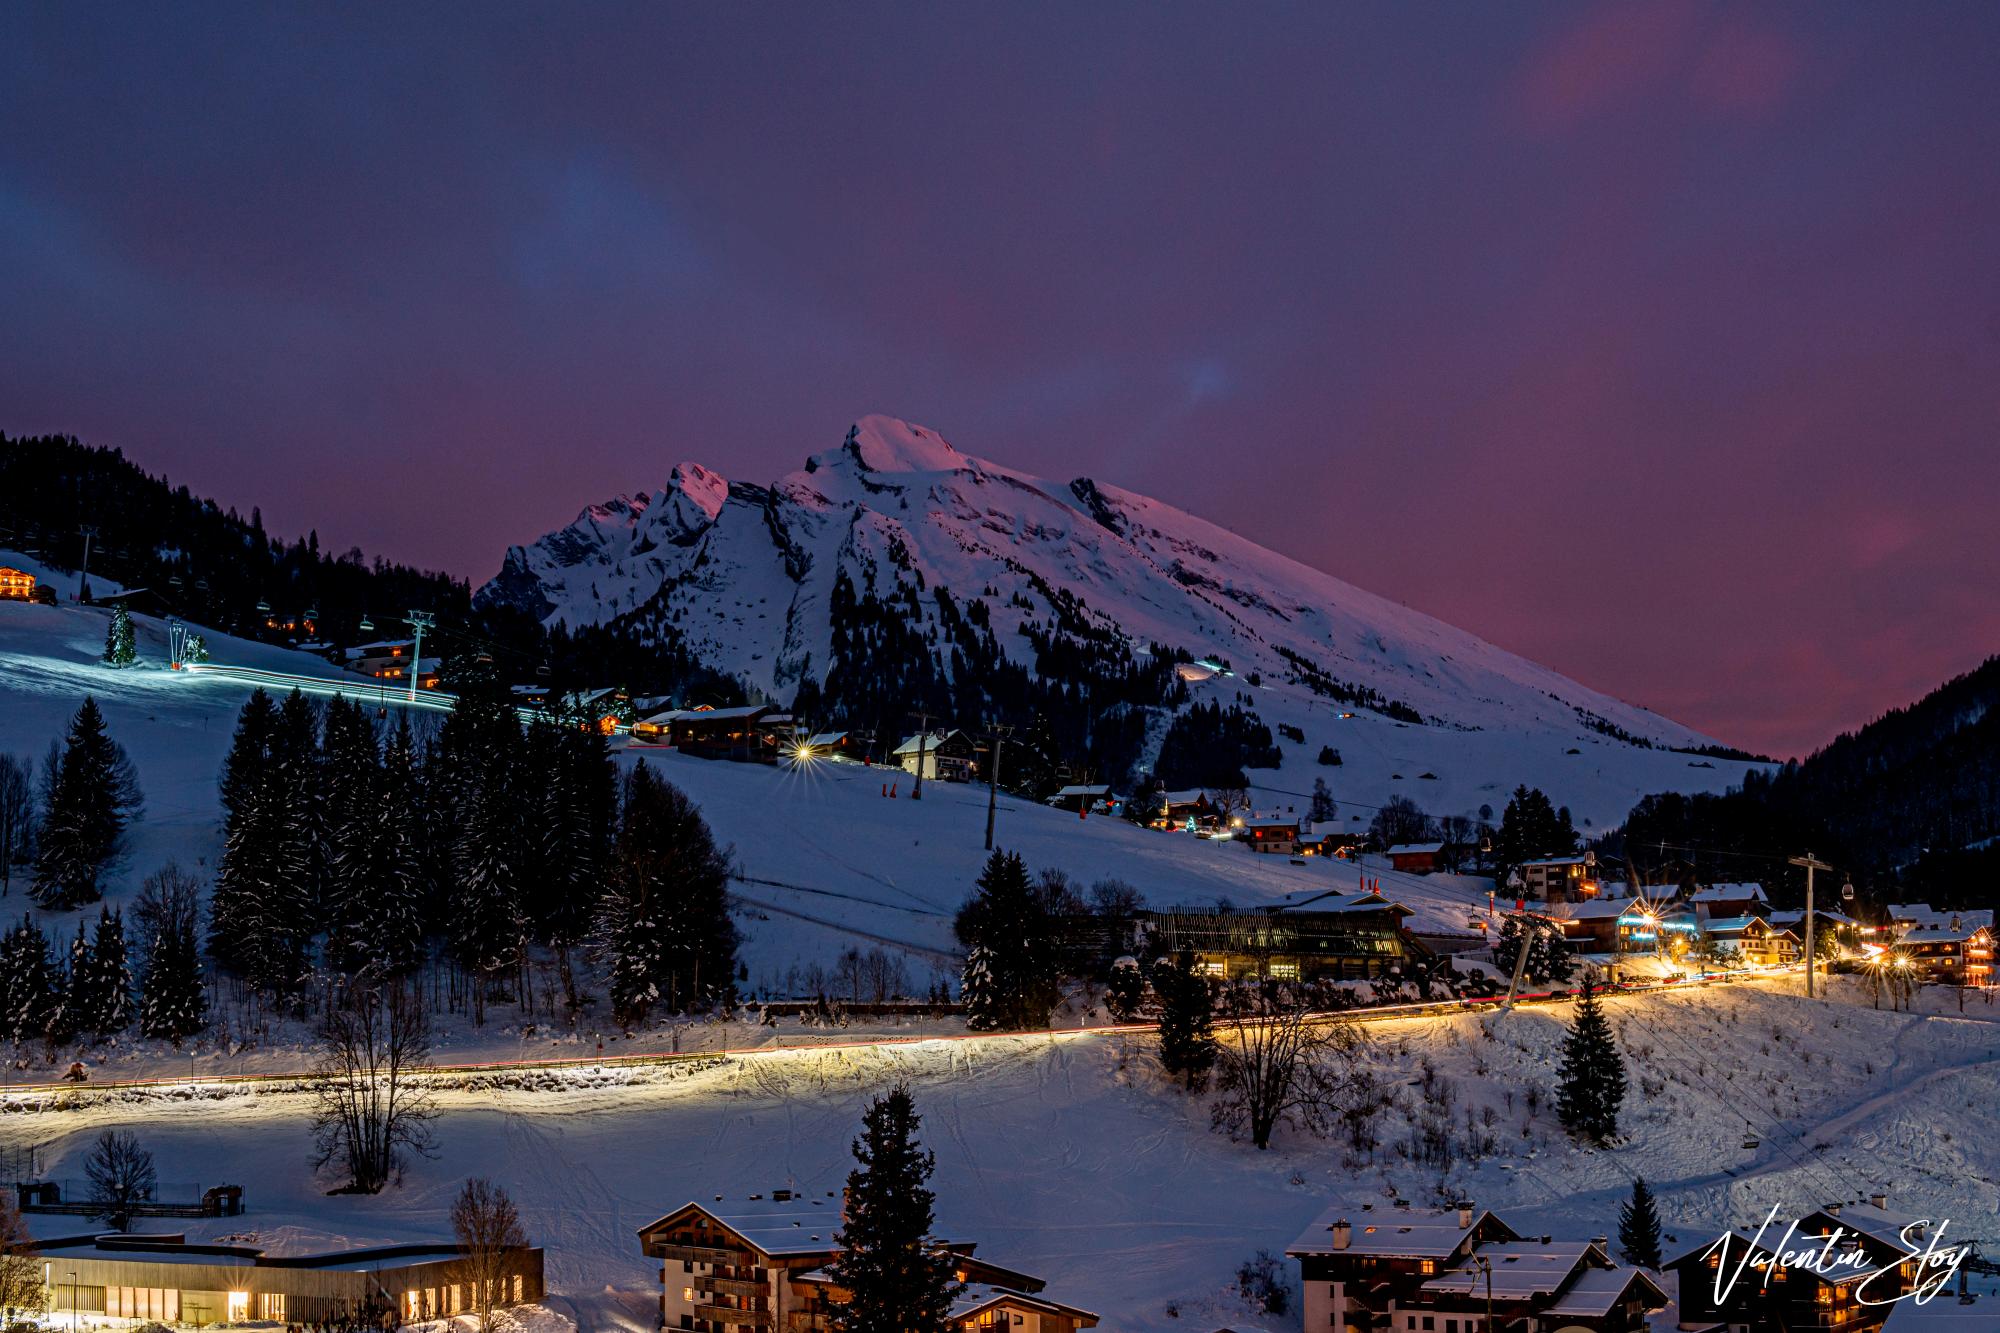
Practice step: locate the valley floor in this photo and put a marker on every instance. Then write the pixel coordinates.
(1072, 1159)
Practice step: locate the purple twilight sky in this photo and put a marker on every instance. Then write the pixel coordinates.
(1657, 342)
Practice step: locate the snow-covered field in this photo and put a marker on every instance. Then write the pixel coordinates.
(1071, 1159)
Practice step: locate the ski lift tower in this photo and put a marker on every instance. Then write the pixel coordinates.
(418, 621)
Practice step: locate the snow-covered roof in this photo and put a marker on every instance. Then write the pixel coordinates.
(1598, 1291)
(1733, 925)
(1520, 1268)
(826, 738)
(1911, 911)
(794, 1226)
(1272, 821)
(1554, 861)
(1081, 790)
(1415, 849)
(1192, 796)
(1883, 1225)
(1595, 909)
(1332, 900)
(1939, 934)
(1825, 914)
(1415, 1233)
(930, 741)
(1727, 893)
(974, 1299)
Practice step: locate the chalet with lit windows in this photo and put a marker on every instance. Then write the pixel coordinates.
(939, 756)
(1275, 834)
(16, 585)
(1953, 954)
(163, 1279)
(1559, 879)
(1445, 1270)
(388, 661)
(1750, 940)
(1415, 858)
(760, 1263)
(1615, 925)
(1184, 809)
(847, 746)
(1854, 1275)
(1303, 937)
(752, 733)
(1079, 797)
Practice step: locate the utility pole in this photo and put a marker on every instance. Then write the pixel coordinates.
(418, 621)
(999, 736)
(83, 584)
(923, 739)
(1811, 863)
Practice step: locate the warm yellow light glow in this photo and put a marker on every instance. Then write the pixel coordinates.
(239, 1306)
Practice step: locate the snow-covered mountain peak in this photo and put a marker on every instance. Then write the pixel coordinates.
(886, 444)
(982, 568)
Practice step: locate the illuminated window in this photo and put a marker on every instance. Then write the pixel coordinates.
(1429, 1266)
(1285, 971)
(412, 1307)
(239, 1306)
(271, 1306)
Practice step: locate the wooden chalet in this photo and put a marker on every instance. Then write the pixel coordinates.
(1735, 899)
(1415, 858)
(1274, 834)
(1448, 1269)
(760, 1263)
(940, 756)
(1951, 955)
(752, 733)
(1752, 940)
(1184, 810)
(1307, 937)
(1837, 1292)
(1080, 797)
(851, 746)
(16, 585)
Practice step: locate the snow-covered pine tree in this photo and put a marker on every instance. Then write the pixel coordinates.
(172, 1003)
(28, 983)
(580, 807)
(297, 767)
(91, 795)
(1187, 1028)
(898, 1278)
(1591, 1079)
(1639, 1227)
(394, 933)
(1125, 991)
(245, 878)
(485, 927)
(110, 1011)
(664, 927)
(351, 815)
(1323, 808)
(120, 646)
(1006, 918)
(75, 993)
(983, 1012)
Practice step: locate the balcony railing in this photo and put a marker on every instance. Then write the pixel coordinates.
(704, 1254)
(731, 1286)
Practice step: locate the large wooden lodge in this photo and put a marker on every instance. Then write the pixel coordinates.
(1327, 936)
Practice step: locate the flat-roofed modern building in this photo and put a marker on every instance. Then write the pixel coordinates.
(164, 1279)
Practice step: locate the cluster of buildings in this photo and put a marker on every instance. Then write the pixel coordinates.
(762, 1263)
(1464, 1269)
(18, 585)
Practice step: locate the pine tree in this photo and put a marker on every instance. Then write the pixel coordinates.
(983, 1010)
(1550, 957)
(110, 1011)
(1005, 917)
(260, 924)
(172, 1003)
(74, 985)
(1639, 1227)
(1591, 1080)
(1125, 990)
(898, 1278)
(393, 931)
(664, 932)
(28, 983)
(91, 796)
(120, 648)
(351, 814)
(1187, 1029)
(1323, 808)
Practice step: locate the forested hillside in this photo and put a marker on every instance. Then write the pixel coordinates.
(196, 558)
(1910, 803)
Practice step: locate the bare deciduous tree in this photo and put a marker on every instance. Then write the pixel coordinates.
(21, 1290)
(1226, 801)
(121, 1174)
(1278, 1062)
(370, 1106)
(490, 1239)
